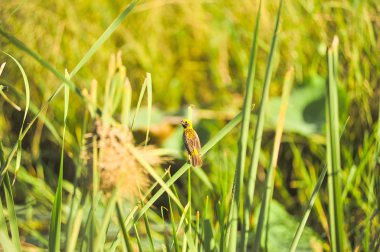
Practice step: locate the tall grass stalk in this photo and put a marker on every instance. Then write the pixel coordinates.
(174, 229)
(148, 232)
(78, 200)
(150, 102)
(240, 164)
(376, 172)
(197, 230)
(376, 165)
(55, 224)
(307, 211)
(125, 234)
(138, 240)
(142, 92)
(309, 207)
(100, 239)
(189, 198)
(259, 129)
(7, 190)
(244, 133)
(5, 241)
(190, 117)
(269, 183)
(333, 152)
(72, 234)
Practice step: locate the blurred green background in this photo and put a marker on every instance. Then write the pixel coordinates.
(197, 53)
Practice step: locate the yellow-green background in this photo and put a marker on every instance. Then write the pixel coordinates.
(198, 53)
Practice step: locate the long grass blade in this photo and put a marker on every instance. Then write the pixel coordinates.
(142, 92)
(78, 200)
(188, 244)
(148, 232)
(150, 98)
(126, 103)
(376, 164)
(11, 212)
(333, 153)
(109, 90)
(197, 234)
(190, 241)
(125, 234)
(138, 240)
(259, 127)
(55, 224)
(306, 214)
(6, 98)
(7, 191)
(4, 166)
(183, 219)
(27, 102)
(87, 243)
(5, 241)
(189, 199)
(73, 233)
(376, 171)
(174, 229)
(101, 237)
(95, 195)
(35, 110)
(242, 150)
(269, 183)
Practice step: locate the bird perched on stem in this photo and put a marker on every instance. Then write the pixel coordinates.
(192, 143)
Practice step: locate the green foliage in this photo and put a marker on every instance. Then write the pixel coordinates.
(333, 152)
(242, 150)
(271, 171)
(307, 103)
(281, 227)
(55, 224)
(192, 54)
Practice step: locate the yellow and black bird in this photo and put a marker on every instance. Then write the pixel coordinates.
(192, 143)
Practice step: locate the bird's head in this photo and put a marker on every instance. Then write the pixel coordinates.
(186, 124)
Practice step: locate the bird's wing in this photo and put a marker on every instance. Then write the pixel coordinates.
(197, 143)
(189, 142)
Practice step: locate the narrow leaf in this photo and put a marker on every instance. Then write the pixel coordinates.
(55, 224)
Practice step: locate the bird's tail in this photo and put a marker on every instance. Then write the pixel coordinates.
(196, 160)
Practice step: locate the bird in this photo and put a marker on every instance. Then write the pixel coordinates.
(192, 143)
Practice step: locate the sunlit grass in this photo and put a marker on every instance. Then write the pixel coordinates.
(189, 53)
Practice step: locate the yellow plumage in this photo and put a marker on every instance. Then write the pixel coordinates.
(192, 143)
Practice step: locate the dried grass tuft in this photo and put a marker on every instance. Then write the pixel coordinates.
(116, 164)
